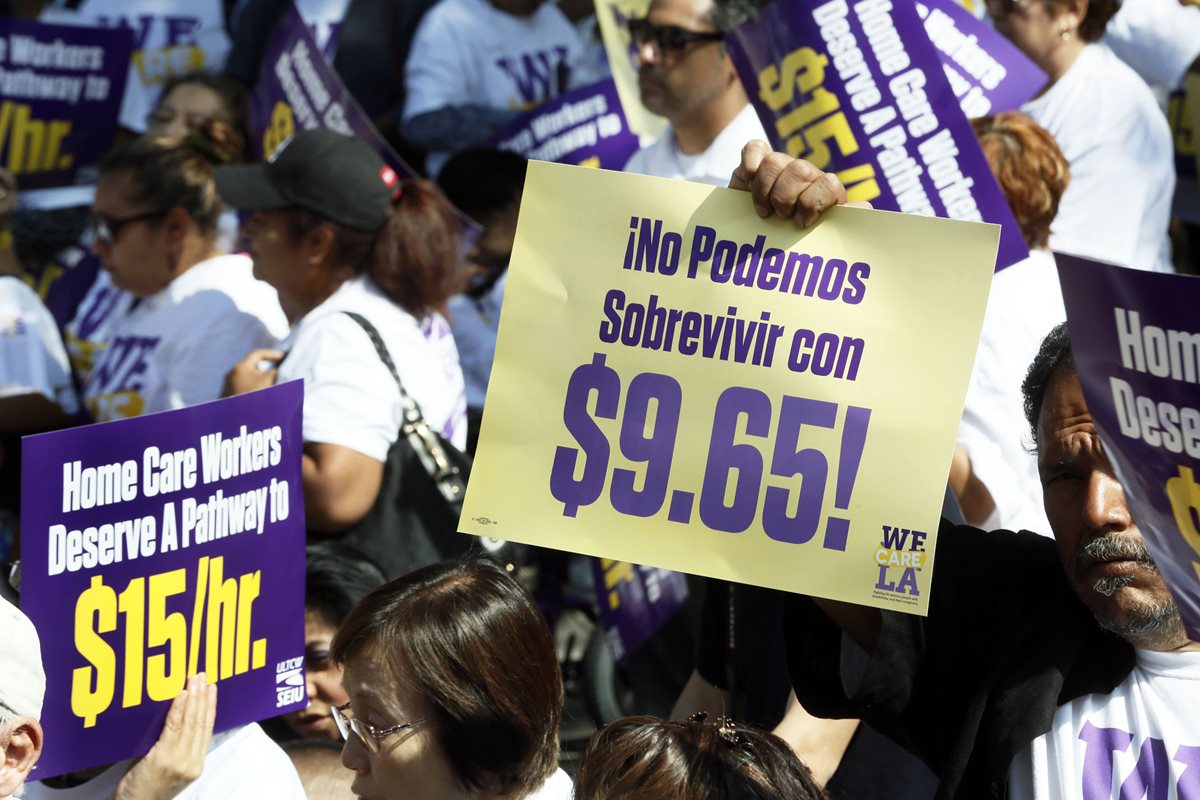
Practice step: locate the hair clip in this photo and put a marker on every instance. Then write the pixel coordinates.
(198, 140)
(726, 727)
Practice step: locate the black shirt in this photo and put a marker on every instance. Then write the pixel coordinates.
(1005, 643)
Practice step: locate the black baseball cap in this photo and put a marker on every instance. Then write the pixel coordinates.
(336, 177)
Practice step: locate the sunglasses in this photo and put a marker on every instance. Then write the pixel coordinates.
(368, 734)
(668, 40)
(107, 230)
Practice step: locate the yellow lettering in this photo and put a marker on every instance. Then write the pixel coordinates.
(132, 603)
(221, 621)
(97, 601)
(251, 584)
(166, 673)
(802, 69)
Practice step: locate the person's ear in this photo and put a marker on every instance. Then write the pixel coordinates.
(177, 225)
(1071, 15)
(319, 245)
(22, 751)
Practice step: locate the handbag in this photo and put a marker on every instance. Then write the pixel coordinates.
(414, 520)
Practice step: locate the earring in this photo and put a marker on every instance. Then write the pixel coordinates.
(1065, 33)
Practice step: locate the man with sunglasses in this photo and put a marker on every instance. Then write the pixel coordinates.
(685, 74)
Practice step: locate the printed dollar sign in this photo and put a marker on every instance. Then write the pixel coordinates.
(566, 489)
(99, 602)
(1184, 494)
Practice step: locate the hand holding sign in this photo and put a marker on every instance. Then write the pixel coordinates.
(791, 187)
(177, 758)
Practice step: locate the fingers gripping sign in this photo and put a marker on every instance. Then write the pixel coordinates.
(788, 187)
(177, 758)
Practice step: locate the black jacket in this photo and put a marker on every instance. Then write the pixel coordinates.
(966, 688)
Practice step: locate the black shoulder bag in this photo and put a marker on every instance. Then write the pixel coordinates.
(414, 520)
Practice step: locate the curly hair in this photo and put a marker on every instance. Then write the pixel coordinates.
(1031, 170)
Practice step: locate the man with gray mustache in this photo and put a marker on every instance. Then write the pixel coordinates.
(1045, 669)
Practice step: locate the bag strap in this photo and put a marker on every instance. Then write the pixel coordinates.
(427, 445)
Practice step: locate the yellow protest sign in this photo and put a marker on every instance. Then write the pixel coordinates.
(612, 15)
(681, 384)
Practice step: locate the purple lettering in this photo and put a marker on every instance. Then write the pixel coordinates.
(1100, 743)
(181, 30)
(1151, 777)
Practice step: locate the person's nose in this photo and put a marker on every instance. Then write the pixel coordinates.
(354, 755)
(1104, 506)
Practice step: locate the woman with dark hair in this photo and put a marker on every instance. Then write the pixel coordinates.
(201, 104)
(335, 237)
(455, 689)
(336, 578)
(646, 758)
(1109, 126)
(197, 309)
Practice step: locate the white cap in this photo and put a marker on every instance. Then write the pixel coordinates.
(22, 681)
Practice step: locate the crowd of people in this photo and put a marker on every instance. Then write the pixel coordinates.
(1046, 652)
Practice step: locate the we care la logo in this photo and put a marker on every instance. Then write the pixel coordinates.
(900, 556)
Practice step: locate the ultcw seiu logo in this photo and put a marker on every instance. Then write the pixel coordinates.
(537, 76)
(1154, 773)
(289, 682)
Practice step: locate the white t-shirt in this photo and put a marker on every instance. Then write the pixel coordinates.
(89, 331)
(242, 764)
(468, 52)
(557, 787)
(475, 323)
(663, 158)
(1160, 39)
(32, 357)
(323, 18)
(174, 349)
(1141, 741)
(1024, 304)
(350, 398)
(1119, 147)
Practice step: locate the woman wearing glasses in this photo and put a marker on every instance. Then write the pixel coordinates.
(196, 309)
(213, 104)
(455, 690)
(1108, 125)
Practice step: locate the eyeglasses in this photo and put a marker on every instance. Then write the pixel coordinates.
(107, 231)
(365, 731)
(668, 40)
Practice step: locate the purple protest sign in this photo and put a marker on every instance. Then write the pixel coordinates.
(1135, 340)
(860, 91)
(61, 87)
(987, 72)
(585, 126)
(297, 90)
(635, 601)
(168, 544)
